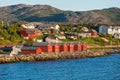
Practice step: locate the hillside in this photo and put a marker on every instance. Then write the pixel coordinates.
(46, 13)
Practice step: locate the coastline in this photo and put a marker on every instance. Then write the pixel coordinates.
(4, 58)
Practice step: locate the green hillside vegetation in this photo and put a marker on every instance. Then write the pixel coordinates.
(11, 34)
(112, 13)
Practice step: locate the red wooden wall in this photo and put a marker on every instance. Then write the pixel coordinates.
(37, 51)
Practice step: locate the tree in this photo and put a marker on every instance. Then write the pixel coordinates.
(39, 37)
(12, 38)
(102, 35)
(30, 41)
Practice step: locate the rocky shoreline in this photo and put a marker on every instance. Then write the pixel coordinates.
(55, 56)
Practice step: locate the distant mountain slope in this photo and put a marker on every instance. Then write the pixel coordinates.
(45, 13)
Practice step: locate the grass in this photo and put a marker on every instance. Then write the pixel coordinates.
(94, 40)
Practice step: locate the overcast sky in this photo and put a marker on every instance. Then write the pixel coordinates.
(75, 5)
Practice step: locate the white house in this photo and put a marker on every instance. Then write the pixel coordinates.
(85, 34)
(114, 31)
(39, 40)
(85, 29)
(52, 40)
(28, 26)
(117, 35)
(60, 36)
(57, 27)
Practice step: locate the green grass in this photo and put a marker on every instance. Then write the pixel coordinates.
(94, 40)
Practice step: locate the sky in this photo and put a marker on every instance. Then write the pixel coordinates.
(74, 5)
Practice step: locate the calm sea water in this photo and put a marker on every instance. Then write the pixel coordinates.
(99, 68)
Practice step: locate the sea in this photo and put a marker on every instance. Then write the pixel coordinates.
(97, 68)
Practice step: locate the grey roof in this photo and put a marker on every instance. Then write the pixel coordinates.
(61, 44)
(58, 43)
(76, 43)
(53, 44)
(46, 44)
(40, 44)
(28, 48)
(69, 43)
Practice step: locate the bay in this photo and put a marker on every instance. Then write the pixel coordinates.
(98, 68)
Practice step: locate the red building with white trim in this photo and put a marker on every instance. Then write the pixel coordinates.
(84, 46)
(45, 47)
(30, 33)
(37, 48)
(64, 47)
(94, 33)
(79, 47)
(71, 47)
(56, 47)
(30, 50)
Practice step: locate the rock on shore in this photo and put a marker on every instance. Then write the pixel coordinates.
(56, 56)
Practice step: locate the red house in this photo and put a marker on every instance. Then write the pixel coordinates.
(56, 47)
(27, 34)
(30, 33)
(37, 32)
(94, 33)
(45, 47)
(71, 47)
(30, 50)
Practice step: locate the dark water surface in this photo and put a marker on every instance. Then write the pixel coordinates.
(99, 68)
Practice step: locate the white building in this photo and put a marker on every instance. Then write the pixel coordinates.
(85, 29)
(114, 31)
(28, 26)
(60, 36)
(85, 34)
(117, 35)
(39, 40)
(52, 40)
(56, 27)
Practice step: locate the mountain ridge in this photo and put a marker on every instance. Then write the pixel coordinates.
(46, 13)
